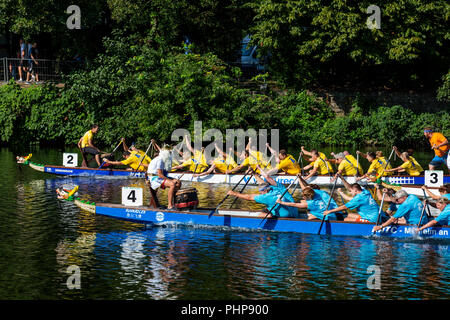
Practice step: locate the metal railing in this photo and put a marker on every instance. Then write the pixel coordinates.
(37, 70)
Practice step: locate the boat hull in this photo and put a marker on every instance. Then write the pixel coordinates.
(249, 220)
(408, 183)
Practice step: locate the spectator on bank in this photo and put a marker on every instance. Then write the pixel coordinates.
(33, 63)
(22, 56)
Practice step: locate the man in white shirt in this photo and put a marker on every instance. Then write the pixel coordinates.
(157, 176)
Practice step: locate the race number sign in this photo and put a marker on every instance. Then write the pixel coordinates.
(132, 196)
(70, 159)
(434, 178)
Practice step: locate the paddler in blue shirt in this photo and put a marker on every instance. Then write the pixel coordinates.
(409, 207)
(443, 219)
(315, 201)
(366, 207)
(269, 192)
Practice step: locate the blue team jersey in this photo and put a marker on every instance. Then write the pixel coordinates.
(411, 210)
(365, 205)
(446, 196)
(444, 217)
(318, 204)
(270, 198)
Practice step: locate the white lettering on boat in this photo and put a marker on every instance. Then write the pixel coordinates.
(134, 213)
(63, 171)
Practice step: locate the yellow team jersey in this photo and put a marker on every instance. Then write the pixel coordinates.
(323, 166)
(352, 159)
(289, 165)
(134, 160)
(256, 157)
(224, 165)
(85, 140)
(412, 167)
(347, 168)
(197, 164)
(378, 165)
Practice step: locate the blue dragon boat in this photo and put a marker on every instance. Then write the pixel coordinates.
(251, 220)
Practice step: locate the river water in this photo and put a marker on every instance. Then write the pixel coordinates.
(41, 237)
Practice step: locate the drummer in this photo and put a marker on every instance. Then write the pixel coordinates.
(157, 176)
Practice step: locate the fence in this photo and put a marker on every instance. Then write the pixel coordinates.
(37, 70)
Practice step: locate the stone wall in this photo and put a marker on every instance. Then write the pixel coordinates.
(341, 101)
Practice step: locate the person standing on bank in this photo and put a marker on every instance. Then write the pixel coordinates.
(440, 145)
(86, 146)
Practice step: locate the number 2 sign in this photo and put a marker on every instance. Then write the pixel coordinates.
(132, 196)
(70, 159)
(434, 178)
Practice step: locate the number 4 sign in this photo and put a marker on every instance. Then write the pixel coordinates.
(434, 178)
(132, 196)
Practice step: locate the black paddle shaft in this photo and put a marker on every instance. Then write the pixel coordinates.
(226, 197)
(329, 201)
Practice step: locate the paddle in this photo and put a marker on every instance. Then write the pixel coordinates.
(299, 158)
(121, 140)
(143, 157)
(428, 208)
(387, 163)
(329, 201)
(301, 163)
(357, 165)
(421, 214)
(245, 185)
(226, 197)
(280, 197)
(381, 209)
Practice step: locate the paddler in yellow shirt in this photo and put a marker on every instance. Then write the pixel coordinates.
(319, 163)
(134, 161)
(221, 164)
(285, 162)
(410, 166)
(197, 163)
(257, 157)
(347, 164)
(377, 167)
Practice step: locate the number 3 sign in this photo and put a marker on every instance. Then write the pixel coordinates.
(434, 178)
(132, 196)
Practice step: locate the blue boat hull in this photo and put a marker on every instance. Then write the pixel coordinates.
(147, 215)
(92, 172)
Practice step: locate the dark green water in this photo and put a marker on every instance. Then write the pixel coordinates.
(41, 237)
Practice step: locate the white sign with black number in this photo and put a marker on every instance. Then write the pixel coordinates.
(434, 178)
(132, 196)
(70, 159)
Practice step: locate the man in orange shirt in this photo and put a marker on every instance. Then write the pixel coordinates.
(440, 145)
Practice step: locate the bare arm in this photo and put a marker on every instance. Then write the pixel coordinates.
(301, 205)
(428, 225)
(340, 208)
(431, 194)
(268, 178)
(209, 171)
(244, 196)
